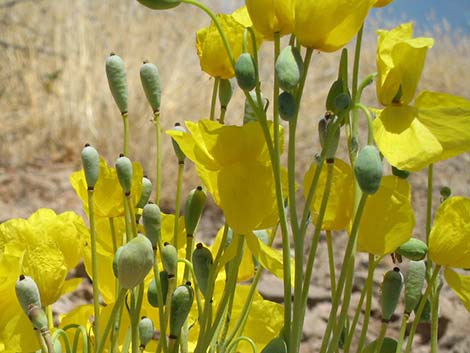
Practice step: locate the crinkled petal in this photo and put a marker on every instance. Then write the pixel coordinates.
(449, 241)
(271, 16)
(460, 284)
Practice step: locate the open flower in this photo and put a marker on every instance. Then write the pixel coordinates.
(328, 25)
(272, 16)
(435, 127)
(211, 50)
(233, 163)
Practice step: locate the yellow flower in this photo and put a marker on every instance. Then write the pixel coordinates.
(436, 127)
(233, 163)
(341, 199)
(271, 16)
(382, 3)
(210, 48)
(460, 284)
(328, 25)
(388, 219)
(108, 194)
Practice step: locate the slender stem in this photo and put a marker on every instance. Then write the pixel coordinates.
(435, 319)
(158, 173)
(331, 261)
(215, 89)
(42, 342)
(137, 295)
(223, 110)
(109, 324)
(94, 267)
(357, 55)
(370, 129)
(112, 228)
(190, 268)
(125, 120)
(365, 324)
(233, 344)
(130, 209)
(160, 303)
(380, 340)
(404, 323)
(179, 187)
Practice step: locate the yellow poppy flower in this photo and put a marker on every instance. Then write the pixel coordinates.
(341, 200)
(382, 3)
(108, 194)
(388, 219)
(210, 48)
(460, 284)
(328, 25)
(233, 163)
(272, 16)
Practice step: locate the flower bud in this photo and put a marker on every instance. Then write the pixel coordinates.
(91, 165)
(327, 131)
(202, 262)
(225, 92)
(368, 169)
(193, 209)
(249, 114)
(150, 79)
(338, 100)
(414, 282)
(287, 106)
(276, 345)
(404, 174)
(124, 173)
(179, 153)
(288, 68)
(116, 260)
(160, 4)
(27, 293)
(145, 331)
(414, 249)
(117, 80)
(152, 294)
(146, 191)
(170, 259)
(391, 289)
(38, 317)
(152, 220)
(246, 72)
(135, 261)
(445, 193)
(181, 302)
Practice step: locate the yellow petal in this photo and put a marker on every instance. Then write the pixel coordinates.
(448, 119)
(20, 231)
(388, 219)
(341, 199)
(404, 140)
(329, 24)
(271, 16)
(400, 61)
(382, 3)
(460, 284)
(449, 241)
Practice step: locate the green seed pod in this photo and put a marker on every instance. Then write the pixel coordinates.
(160, 4)
(389, 345)
(249, 114)
(414, 249)
(170, 259)
(146, 191)
(135, 261)
(245, 72)
(368, 169)
(225, 92)
(145, 331)
(445, 193)
(152, 220)
(179, 153)
(325, 128)
(124, 173)
(426, 314)
(117, 80)
(181, 302)
(116, 260)
(38, 317)
(150, 79)
(414, 282)
(91, 165)
(288, 68)
(193, 209)
(27, 293)
(287, 106)
(391, 289)
(276, 345)
(404, 174)
(152, 294)
(202, 263)
(338, 99)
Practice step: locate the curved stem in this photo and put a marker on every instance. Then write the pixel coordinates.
(370, 129)
(233, 345)
(357, 55)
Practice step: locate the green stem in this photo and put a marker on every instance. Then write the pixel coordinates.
(135, 311)
(223, 110)
(370, 128)
(125, 120)
(435, 320)
(179, 187)
(158, 173)
(380, 340)
(357, 55)
(331, 261)
(190, 268)
(214, 97)
(109, 324)
(404, 323)
(156, 274)
(233, 345)
(94, 266)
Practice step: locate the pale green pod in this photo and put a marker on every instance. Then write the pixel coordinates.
(202, 263)
(57, 346)
(38, 317)
(152, 220)
(135, 261)
(389, 345)
(287, 106)
(193, 208)
(288, 68)
(403, 174)
(117, 80)
(116, 260)
(170, 259)
(27, 293)
(276, 345)
(391, 290)
(226, 88)
(414, 249)
(150, 78)
(328, 130)
(368, 169)
(124, 173)
(146, 192)
(91, 165)
(181, 302)
(160, 4)
(245, 72)
(146, 330)
(249, 114)
(179, 153)
(152, 295)
(414, 282)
